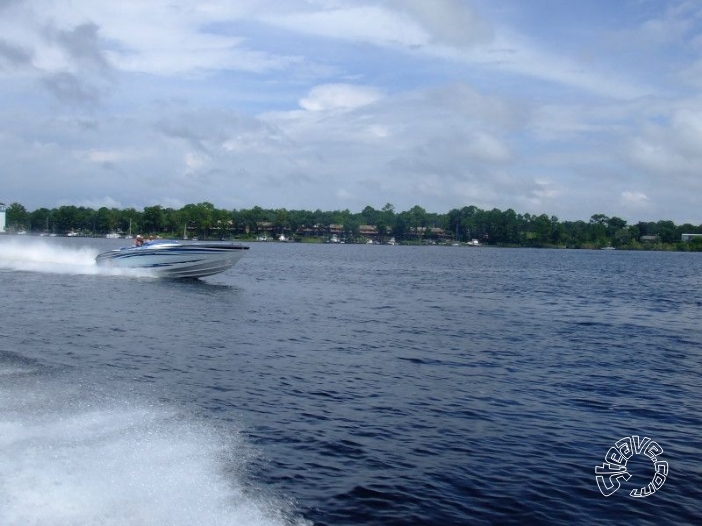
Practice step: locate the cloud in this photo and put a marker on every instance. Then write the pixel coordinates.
(451, 30)
(212, 132)
(671, 147)
(71, 88)
(6, 3)
(331, 97)
(374, 24)
(157, 37)
(85, 74)
(514, 53)
(402, 24)
(12, 56)
(344, 103)
(634, 203)
(672, 26)
(176, 38)
(82, 45)
(633, 199)
(487, 148)
(194, 161)
(448, 22)
(96, 204)
(107, 158)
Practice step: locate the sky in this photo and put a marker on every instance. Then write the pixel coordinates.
(564, 108)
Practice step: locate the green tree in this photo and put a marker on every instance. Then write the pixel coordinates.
(173, 222)
(667, 232)
(417, 220)
(107, 220)
(558, 234)
(399, 230)
(154, 219)
(281, 221)
(252, 218)
(622, 237)
(223, 223)
(130, 221)
(597, 229)
(40, 220)
(17, 217)
(351, 226)
(542, 225)
(67, 218)
(389, 208)
(614, 225)
(510, 227)
(369, 216)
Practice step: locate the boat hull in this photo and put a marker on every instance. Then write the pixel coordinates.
(175, 259)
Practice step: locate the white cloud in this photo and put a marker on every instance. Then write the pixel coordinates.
(674, 24)
(343, 194)
(330, 97)
(96, 204)
(633, 199)
(194, 161)
(449, 22)
(487, 148)
(155, 37)
(518, 54)
(451, 30)
(367, 23)
(378, 131)
(408, 24)
(102, 156)
(545, 190)
(345, 103)
(673, 147)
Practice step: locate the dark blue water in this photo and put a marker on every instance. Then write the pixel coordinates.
(342, 384)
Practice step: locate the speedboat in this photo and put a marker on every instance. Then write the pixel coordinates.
(173, 259)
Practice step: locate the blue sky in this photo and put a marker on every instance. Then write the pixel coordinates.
(545, 106)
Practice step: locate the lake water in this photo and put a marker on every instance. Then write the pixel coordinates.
(345, 384)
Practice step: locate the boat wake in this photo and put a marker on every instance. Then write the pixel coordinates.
(72, 454)
(43, 256)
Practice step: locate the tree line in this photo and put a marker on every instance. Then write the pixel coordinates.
(416, 225)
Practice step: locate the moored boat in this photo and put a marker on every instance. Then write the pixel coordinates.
(173, 259)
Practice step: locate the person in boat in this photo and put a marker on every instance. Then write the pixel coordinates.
(139, 241)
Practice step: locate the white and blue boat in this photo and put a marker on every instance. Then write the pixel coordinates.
(173, 259)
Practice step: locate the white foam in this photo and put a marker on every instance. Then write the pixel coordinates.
(65, 460)
(44, 256)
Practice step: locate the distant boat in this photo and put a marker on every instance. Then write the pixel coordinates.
(473, 243)
(112, 235)
(608, 248)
